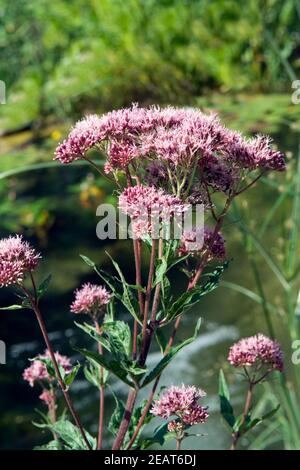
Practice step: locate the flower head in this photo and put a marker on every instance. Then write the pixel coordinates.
(37, 371)
(177, 136)
(255, 350)
(197, 241)
(84, 135)
(182, 402)
(147, 206)
(90, 299)
(47, 397)
(16, 258)
(252, 153)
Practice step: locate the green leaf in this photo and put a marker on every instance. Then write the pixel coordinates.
(161, 339)
(191, 297)
(12, 307)
(160, 271)
(93, 333)
(225, 405)
(161, 436)
(92, 374)
(250, 424)
(71, 435)
(117, 416)
(109, 363)
(43, 287)
(165, 361)
(126, 297)
(88, 261)
(119, 337)
(128, 300)
(69, 378)
(52, 445)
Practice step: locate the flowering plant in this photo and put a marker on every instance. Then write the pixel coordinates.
(160, 160)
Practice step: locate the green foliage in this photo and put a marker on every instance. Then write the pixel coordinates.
(191, 297)
(225, 405)
(139, 51)
(122, 291)
(52, 445)
(70, 436)
(67, 377)
(240, 424)
(43, 287)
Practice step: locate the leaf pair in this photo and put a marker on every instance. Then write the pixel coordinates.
(70, 435)
(191, 297)
(240, 424)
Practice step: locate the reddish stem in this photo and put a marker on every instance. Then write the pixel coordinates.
(126, 419)
(236, 435)
(58, 374)
(191, 284)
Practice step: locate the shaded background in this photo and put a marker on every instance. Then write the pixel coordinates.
(61, 60)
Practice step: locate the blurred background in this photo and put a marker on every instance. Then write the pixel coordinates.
(61, 60)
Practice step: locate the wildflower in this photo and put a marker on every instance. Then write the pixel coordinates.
(16, 258)
(84, 135)
(175, 426)
(252, 153)
(37, 371)
(47, 397)
(256, 350)
(182, 402)
(178, 136)
(147, 205)
(90, 299)
(197, 241)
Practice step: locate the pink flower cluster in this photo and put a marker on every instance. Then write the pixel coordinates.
(174, 136)
(16, 258)
(37, 371)
(182, 402)
(190, 243)
(256, 350)
(147, 206)
(90, 299)
(47, 397)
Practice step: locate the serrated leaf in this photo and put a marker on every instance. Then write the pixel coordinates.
(52, 445)
(92, 374)
(71, 435)
(191, 297)
(109, 363)
(119, 336)
(126, 297)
